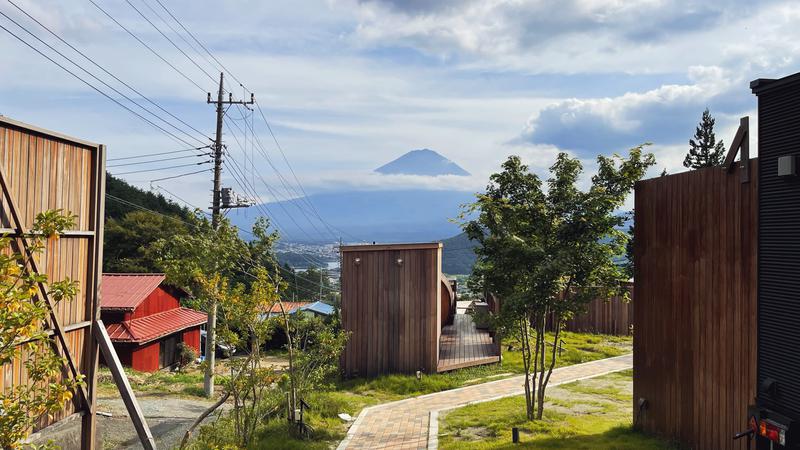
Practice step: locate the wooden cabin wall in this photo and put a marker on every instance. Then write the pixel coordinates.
(48, 171)
(695, 317)
(391, 310)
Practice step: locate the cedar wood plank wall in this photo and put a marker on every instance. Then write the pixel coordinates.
(391, 310)
(695, 316)
(52, 172)
(605, 316)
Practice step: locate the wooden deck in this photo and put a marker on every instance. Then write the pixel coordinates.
(463, 345)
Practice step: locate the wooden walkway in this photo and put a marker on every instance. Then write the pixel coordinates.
(463, 345)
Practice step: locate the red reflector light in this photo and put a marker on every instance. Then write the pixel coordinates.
(753, 424)
(772, 431)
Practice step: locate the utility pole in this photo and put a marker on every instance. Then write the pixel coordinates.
(211, 325)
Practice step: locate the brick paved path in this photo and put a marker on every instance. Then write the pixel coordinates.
(405, 424)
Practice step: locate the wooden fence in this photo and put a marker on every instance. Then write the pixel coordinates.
(42, 170)
(605, 316)
(695, 316)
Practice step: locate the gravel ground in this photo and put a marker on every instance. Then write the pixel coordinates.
(168, 418)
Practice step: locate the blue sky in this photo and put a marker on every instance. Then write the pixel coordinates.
(350, 85)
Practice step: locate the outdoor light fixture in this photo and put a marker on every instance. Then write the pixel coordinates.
(787, 166)
(419, 375)
(399, 261)
(357, 261)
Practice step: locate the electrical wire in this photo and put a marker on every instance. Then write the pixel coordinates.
(200, 43)
(105, 70)
(182, 175)
(147, 46)
(95, 88)
(157, 154)
(170, 40)
(161, 168)
(158, 160)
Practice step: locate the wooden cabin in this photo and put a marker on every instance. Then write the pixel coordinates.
(402, 315)
(145, 320)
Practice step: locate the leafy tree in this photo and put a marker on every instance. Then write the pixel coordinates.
(127, 240)
(704, 150)
(22, 313)
(193, 261)
(548, 252)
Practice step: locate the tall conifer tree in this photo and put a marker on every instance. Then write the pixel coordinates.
(704, 151)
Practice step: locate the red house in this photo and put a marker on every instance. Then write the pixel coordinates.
(145, 320)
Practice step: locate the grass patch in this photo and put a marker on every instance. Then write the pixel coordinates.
(588, 414)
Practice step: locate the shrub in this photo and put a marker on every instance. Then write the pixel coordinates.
(186, 355)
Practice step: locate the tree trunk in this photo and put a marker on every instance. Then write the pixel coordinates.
(526, 361)
(554, 354)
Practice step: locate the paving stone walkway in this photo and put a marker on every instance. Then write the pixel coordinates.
(407, 424)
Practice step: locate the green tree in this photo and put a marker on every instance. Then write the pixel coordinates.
(704, 150)
(22, 313)
(548, 252)
(127, 240)
(305, 285)
(206, 261)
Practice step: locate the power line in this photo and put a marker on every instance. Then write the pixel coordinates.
(289, 199)
(94, 87)
(199, 43)
(181, 175)
(294, 175)
(274, 194)
(104, 69)
(157, 160)
(157, 154)
(147, 46)
(170, 40)
(161, 168)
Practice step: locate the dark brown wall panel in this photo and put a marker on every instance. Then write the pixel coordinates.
(390, 309)
(695, 305)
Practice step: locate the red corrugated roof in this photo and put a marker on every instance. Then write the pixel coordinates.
(288, 306)
(146, 329)
(127, 290)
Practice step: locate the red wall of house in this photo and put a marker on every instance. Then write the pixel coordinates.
(145, 358)
(192, 337)
(158, 301)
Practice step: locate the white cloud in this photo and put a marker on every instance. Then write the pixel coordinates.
(599, 125)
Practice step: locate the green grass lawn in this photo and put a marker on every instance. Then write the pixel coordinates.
(351, 396)
(589, 414)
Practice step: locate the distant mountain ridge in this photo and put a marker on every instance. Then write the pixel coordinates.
(382, 216)
(422, 162)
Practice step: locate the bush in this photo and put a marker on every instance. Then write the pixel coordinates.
(186, 355)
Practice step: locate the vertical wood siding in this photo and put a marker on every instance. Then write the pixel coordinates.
(53, 172)
(191, 337)
(605, 316)
(158, 301)
(145, 358)
(391, 310)
(695, 315)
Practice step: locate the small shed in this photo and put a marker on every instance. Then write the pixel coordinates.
(145, 321)
(400, 312)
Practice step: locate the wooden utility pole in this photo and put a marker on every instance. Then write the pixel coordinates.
(208, 381)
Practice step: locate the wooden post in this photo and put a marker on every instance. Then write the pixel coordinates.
(95, 273)
(128, 397)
